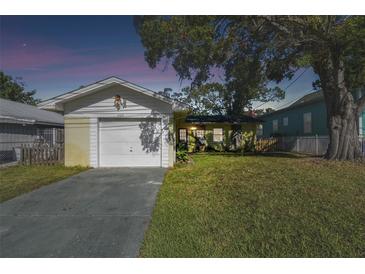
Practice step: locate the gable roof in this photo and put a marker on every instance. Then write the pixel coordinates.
(57, 101)
(15, 112)
(221, 119)
(308, 99)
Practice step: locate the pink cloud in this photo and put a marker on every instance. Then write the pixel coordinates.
(46, 63)
(41, 60)
(133, 67)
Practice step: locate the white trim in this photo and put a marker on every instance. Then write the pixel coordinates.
(94, 142)
(221, 134)
(57, 102)
(54, 136)
(115, 115)
(361, 130)
(165, 141)
(95, 139)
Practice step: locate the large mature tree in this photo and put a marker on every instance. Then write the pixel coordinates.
(334, 46)
(253, 50)
(200, 50)
(14, 89)
(210, 98)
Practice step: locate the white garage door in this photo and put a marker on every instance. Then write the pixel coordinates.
(130, 142)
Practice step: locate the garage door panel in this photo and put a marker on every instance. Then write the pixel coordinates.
(116, 161)
(126, 150)
(130, 143)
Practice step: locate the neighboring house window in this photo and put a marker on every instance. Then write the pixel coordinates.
(307, 117)
(260, 130)
(359, 94)
(182, 135)
(285, 121)
(361, 125)
(199, 133)
(275, 126)
(217, 134)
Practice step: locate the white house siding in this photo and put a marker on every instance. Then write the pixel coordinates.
(100, 105)
(94, 142)
(165, 141)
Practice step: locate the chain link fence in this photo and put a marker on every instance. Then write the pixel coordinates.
(13, 136)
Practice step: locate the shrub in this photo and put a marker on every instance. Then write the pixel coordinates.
(182, 153)
(247, 143)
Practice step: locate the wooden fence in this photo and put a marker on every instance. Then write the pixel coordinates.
(267, 145)
(41, 155)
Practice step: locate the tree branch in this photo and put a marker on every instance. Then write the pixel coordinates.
(271, 20)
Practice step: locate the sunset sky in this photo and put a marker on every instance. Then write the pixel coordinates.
(55, 54)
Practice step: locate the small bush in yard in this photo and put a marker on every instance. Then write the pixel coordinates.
(247, 142)
(182, 154)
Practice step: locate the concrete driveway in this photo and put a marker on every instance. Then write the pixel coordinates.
(97, 213)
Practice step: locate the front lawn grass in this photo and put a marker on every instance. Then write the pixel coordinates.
(259, 206)
(17, 180)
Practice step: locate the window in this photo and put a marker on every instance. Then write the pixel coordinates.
(199, 133)
(260, 130)
(285, 121)
(307, 117)
(275, 126)
(217, 134)
(182, 135)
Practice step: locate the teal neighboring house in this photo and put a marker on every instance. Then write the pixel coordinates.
(305, 117)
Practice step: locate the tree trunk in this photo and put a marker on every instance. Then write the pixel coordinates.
(342, 114)
(343, 131)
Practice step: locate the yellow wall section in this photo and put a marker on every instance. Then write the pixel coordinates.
(77, 142)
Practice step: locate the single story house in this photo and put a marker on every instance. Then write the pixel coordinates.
(114, 123)
(305, 117)
(26, 124)
(213, 132)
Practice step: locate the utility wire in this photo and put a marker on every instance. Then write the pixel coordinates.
(296, 79)
(294, 100)
(300, 75)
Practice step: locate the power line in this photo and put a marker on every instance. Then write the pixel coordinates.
(296, 79)
(300, 75)
(294, 100)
